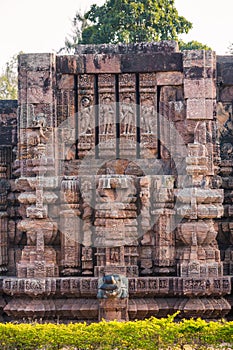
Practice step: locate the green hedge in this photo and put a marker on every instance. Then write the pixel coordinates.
(137, 335)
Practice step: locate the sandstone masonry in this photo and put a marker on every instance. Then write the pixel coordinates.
(116, 185)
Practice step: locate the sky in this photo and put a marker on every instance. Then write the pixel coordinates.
(42, 25)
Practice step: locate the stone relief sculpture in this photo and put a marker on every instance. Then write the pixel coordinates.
(148, 115)
(86, 115)
(127, 115)
(36, 138)
(107, 114)
(135, 220)
(112, 286)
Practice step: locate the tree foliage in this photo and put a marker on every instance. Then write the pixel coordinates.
(79, 23)
(128, 21)
(193, 45)
(9, 80)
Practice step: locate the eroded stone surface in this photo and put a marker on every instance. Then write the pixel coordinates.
(124, 168)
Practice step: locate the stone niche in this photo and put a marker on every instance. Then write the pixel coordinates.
(116, 185)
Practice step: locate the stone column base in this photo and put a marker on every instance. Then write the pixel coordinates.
(113, 309)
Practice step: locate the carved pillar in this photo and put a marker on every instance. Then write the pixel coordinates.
(4, 241)
(113, 298)
(8, 205)
(116, 226)
(65, 115)
(36, 156)
(224, 113)
(171, 114)
(200, 95)
(70, 227)
(113, 310)
(38, 257)
(88, 205)
(198, 207)
(65, 97)
(86, 114)
(225, 236)
(5, 162)
(147, 243)
(163, 229)
(198, 255)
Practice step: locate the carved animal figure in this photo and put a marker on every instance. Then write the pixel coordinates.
(113, 286)
(39, 122)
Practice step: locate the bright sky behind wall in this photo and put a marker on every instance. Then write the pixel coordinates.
(42, 25)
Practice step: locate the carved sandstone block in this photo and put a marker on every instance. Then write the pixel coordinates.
(199, 88)
(199, 109)
(169, 78)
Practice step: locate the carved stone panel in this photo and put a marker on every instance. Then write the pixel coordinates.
(148, 116)
(107, 115)
(65, 97)
(119, 174)
(128, 116)
(86, 114)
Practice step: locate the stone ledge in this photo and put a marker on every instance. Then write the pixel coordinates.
(144, 47)
(81, 310)
(138, 287)
(119, 63)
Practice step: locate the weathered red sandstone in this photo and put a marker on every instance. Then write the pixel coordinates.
(116, 185)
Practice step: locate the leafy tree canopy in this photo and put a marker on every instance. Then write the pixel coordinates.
(193, 45)
(9, 80)
(128, 21)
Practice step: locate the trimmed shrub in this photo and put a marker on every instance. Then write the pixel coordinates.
(150, 334)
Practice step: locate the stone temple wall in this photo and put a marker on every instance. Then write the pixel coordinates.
(116, 169)
(225, 135)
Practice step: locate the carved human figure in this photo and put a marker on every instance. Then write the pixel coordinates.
(114, 255)
(86, 253)
(39, 122)
(166, 161)
(127, 115)
(33, 138)
(85, 116)
(107, 114)
(148, 116)
(4, 189)
(200, 133)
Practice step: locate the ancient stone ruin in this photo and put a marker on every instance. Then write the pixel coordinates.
(116, 185)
